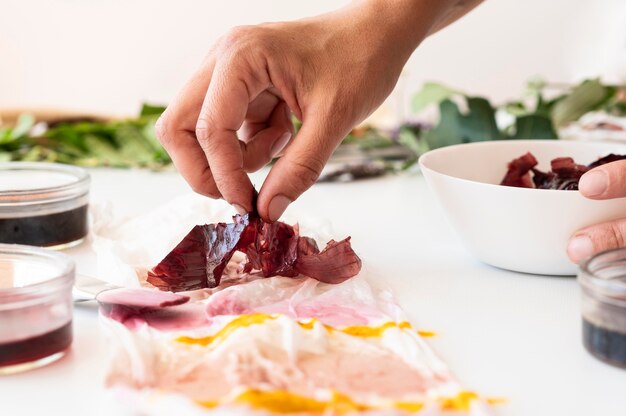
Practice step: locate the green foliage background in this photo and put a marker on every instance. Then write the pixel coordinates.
(464, 118)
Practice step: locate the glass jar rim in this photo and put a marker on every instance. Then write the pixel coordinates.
(63, 277)
(608, 289)
(44, 194)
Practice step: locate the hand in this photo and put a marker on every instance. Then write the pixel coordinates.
(331, 71)
(604, 182)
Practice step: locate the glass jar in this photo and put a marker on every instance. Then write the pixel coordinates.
(43, 204)
(35, 306)
(603, 282)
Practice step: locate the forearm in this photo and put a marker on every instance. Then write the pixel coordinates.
(404, 24)
(459, 9)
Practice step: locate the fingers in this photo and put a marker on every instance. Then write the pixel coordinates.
(198, 130)
(300, 166)
(597, 238)
(176, 132)
(268, 142)
(258, 116)
(605, 182)
(222, 114)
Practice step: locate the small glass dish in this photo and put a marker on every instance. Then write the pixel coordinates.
(43, 204)
(35, 306)
(603, 282)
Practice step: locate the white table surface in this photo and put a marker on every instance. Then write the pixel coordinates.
(503, 333)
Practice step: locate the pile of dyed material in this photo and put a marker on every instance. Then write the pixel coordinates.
(564, 174)
(276, 249)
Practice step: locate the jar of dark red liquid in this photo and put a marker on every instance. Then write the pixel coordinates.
(35, 306)
(43, 204)
(603, 282)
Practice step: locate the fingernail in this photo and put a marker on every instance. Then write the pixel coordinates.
(241, 210)
(277, 206)
(280, 143)
(593, 183)
(579, 248)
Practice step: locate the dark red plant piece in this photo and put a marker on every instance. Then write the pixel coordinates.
(543, 180)
(606, 159)
(564, 174)
(336, 263)
(275, 249)
(199, 260)
(518, 173)
(565, 166)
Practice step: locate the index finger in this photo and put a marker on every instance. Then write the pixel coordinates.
(176, 132)
(223, 113)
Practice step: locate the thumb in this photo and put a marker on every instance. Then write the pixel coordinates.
(605, 181)
(300, 167)
(597, 238)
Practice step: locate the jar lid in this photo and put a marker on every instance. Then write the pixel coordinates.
(30, 275)
(25, 185)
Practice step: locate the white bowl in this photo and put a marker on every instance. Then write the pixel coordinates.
(518, 229)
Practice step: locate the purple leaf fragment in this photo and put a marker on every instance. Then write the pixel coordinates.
(606, 159)
(518, 171)
(272, 249)
(565, 173)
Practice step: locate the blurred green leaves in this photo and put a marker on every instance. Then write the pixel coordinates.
(586, 97)
(24, 123)
(116, 143)
(462, 118)
(534, 117)
(478, 121)
(533, 126)
(431, 93)
(454, 127)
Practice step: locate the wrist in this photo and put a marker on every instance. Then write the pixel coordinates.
(405, 23)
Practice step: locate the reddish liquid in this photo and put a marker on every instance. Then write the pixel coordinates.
(35, 348)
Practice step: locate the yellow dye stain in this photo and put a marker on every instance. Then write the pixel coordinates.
(285, 402)
(427, 334)
(461, 401)
(209, 404)
(281, 402)
(496, 400)
(409, 406)
(308, 324)
(342, 403)
(239, 322)
(373, 331)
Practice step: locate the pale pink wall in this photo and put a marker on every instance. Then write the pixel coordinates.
(109, 55)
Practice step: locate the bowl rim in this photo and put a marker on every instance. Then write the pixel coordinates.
(423, 161)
